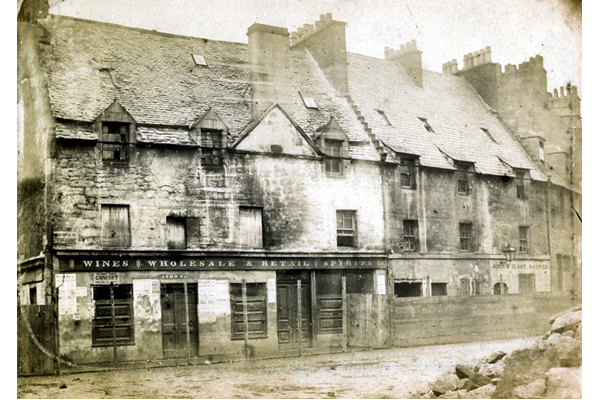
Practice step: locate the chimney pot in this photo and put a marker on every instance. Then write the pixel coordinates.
(562, 91)
(322, 18)
(328, 17)
(555, 91)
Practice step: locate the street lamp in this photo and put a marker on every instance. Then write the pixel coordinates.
(509, 252)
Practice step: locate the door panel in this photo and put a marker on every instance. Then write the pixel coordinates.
(526, 283)
(174, 321)
(287, 315)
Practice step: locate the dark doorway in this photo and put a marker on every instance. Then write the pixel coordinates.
(175, 322)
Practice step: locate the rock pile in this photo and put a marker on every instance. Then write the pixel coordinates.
(549, 369)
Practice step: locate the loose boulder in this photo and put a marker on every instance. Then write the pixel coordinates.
(445, 384)
(568, 321)
(463, 371)
(495, 357)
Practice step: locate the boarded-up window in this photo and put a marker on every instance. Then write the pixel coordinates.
(329, 302)
(116, 231)
(250, 228)
(176, 233)
(256, 304)
(113, 316)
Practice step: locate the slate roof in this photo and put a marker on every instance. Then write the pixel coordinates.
(450, 105)
(154, 77)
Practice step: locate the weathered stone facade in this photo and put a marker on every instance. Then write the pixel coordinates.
(226, 199)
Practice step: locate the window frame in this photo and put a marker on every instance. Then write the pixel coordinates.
(344, 231)
(465, 234)
(462, 177)
(408, 168)
(410, 228)
(333, 148)
(107, 141)
(100, 322)
(409, 283)
(237, 310)
(211, 143)
(520, 177)
(524, 247)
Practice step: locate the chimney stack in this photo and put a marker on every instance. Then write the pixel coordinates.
(269, 50)
(326, 41)
(409, 57)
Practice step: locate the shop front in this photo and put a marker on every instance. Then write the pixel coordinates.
(117, 307)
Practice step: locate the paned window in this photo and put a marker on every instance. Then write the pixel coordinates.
(346, 228)
(115, 141)
(333, 148)
(523, 239)
(407, 172)
(462, 177)
(211, 142)
(520, 184)
(466, 236)
(411, 235)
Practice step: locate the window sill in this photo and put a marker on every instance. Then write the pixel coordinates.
(335, 174)
(250, 337)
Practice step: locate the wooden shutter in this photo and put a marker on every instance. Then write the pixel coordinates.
(115, 226)
(251, 227)
(176, 238)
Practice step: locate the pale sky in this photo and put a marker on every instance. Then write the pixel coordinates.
(443, 29)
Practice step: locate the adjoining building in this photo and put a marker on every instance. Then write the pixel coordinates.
(185, 197)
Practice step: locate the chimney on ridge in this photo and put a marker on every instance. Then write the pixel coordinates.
(409, 57)
(269, 51)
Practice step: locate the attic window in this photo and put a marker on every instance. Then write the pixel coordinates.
(426, 124)
(309, 102)
(385, 118)
(199, 59)
(488, 134)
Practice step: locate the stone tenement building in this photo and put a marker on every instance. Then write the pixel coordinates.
(187, 197)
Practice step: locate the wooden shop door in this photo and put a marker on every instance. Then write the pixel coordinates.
(178, 341)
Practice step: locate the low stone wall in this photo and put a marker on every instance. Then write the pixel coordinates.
(442, 320)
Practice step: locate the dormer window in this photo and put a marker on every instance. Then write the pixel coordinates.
(408, 172)
(332, 141)
(116, 130)
(210, 132)
(333, 148)
(115, 141)
(462, 176)
(520, 176)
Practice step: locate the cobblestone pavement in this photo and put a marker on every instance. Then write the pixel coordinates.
(390, 373)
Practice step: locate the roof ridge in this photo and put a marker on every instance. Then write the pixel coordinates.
(141, 30)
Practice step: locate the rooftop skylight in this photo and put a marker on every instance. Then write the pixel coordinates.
(199, 59)
(426, 124)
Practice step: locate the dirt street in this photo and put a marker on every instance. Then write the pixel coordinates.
(393, 373)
